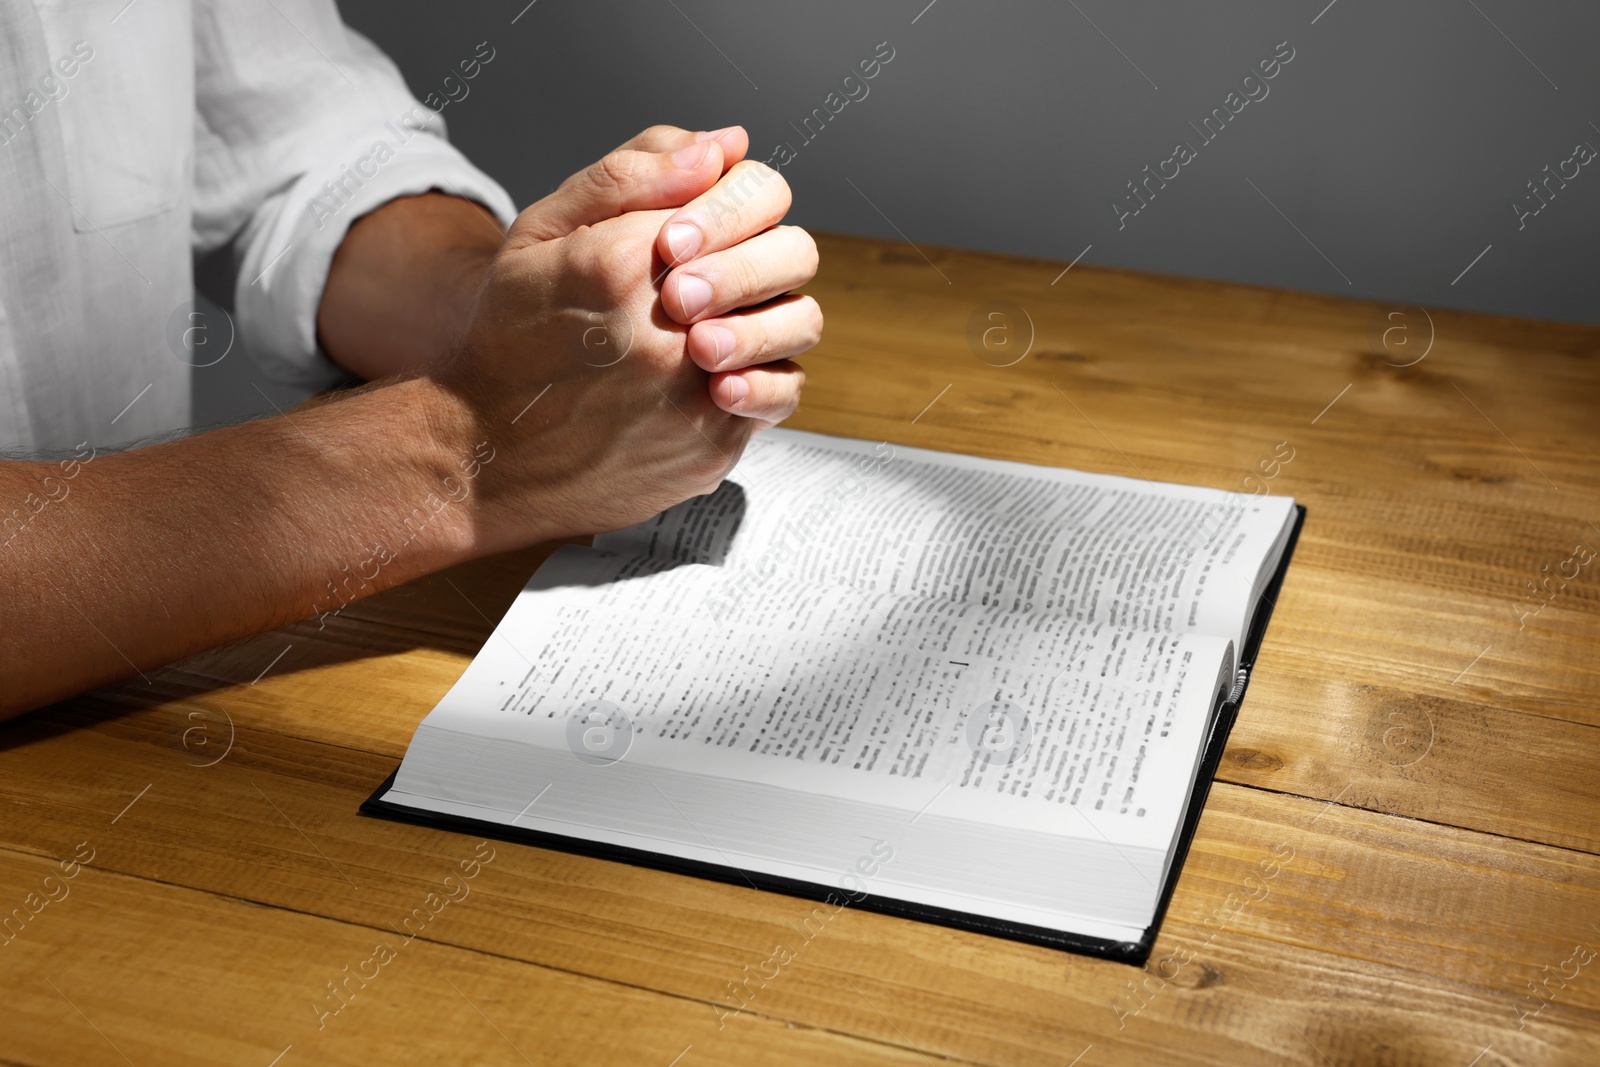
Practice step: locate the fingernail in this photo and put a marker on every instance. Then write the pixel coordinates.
(694, 294)
(691, 156)
(738, 388)
(684, 241)
(725, 341)
(714, 135)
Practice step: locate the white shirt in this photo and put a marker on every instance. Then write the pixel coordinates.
(134, 136)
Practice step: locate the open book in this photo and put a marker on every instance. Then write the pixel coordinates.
(969, 691)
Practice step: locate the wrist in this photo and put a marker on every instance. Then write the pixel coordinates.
(403, 283)
(461, 466)
(434, 441)
(461, 268)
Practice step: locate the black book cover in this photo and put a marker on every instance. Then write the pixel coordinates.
(1131, 952)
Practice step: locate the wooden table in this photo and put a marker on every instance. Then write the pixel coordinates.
(1420, 739)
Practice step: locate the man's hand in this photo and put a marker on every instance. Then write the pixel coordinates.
(740, 256)
(619, 357)
(403, 283)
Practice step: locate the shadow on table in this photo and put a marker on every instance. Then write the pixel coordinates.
(452, 611)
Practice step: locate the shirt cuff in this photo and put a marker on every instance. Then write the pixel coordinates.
(290, 242)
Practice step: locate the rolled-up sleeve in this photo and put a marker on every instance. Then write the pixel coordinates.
(302, 127)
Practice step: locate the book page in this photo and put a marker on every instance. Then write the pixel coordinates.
(886, 518)
(882, 697)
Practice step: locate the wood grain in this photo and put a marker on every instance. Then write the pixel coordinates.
(1422, 756)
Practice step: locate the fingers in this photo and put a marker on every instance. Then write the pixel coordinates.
(628, 179)
(778, 329)
(750, 198)
(767, 265)
(768, 393)
(735, 142)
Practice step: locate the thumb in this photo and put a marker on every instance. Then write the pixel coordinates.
(628, 179)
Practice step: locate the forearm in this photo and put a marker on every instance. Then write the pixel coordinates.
(401, 287)
(128, 561)
(124, 562)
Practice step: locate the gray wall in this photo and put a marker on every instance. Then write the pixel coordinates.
(1391, 147)
(1396, 140)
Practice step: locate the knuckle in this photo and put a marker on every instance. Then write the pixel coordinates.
(610, 173)
(753, 170)
(759, 175)
(608, 264)
(782, 194)
(749, 178)
(748, 279)
(766, 344)
(805, 248)
(814, 323)
(723, 211)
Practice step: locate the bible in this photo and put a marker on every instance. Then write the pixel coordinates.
(980, 693)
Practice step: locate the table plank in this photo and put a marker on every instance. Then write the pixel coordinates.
(125, 970)
(1364, 903)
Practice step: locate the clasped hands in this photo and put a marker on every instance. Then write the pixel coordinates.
(635, 327)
